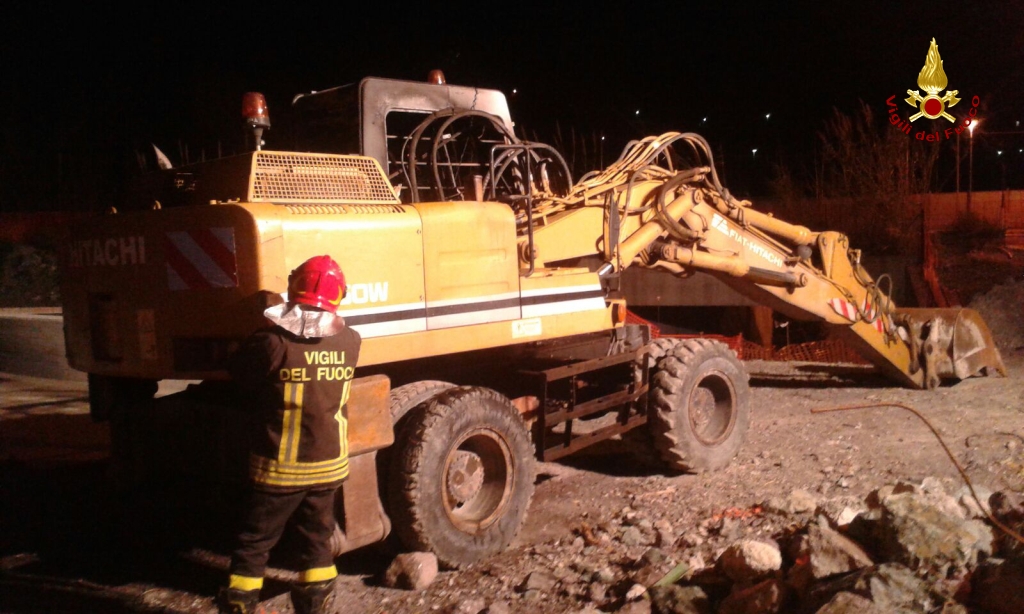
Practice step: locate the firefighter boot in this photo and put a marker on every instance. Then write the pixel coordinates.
(313, 598)
(235, 601)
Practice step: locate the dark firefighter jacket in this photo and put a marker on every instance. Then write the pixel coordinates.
(298, 387)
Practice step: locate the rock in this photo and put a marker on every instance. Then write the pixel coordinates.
(766, 597)
(563, 574)
(875, 497)
(696, 563)
(589, 610)
(916, 533)
(849, 603)
(473, 605)
(932, 486)
(996, 587)
(663, 525)
(798, 501)
(731, 529)
(652, 556)
(636, 607)
(631, 536)
(748, 560)
(665, 539)
(664, 534)
(675, 599)
(888, 586)
(412, 571)
(841, 511)
(498, 607)
(966, 500)
(604, 575)
(597, 592)
(538, 581)
(635, 592)
(830, 553)
(691, 540)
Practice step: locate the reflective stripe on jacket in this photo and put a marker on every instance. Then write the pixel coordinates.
(299, 388)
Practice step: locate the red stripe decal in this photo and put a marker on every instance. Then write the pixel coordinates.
(188, 273)
(217, 251)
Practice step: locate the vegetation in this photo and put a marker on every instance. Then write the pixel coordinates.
(865, 178)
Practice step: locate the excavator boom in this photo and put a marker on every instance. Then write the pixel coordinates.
(651, 214)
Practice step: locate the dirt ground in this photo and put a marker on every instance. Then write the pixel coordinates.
(57, 519)
(71, 543)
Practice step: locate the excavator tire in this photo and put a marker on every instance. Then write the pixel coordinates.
(658, 348)
(404, 399)
(639, 440)
(700, 406)
(462, 477)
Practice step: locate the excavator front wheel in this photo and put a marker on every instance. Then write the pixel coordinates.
(700, 406)
(462, 477)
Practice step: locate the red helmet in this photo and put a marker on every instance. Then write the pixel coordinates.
(318, 282)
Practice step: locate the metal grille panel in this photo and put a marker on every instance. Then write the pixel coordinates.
(295, 178)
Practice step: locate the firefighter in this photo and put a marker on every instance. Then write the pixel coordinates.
(296, 377)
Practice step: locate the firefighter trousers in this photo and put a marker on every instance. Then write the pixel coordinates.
(312, 512)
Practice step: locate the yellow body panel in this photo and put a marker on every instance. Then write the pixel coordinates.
(424, 280)
(472, 270)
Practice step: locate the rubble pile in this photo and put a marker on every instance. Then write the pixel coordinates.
(905, 548)
(28, 277)
(1001, 309)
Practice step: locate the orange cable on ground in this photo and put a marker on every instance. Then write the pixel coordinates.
(984, 508)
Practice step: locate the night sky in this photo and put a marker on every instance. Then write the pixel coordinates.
(84, 89)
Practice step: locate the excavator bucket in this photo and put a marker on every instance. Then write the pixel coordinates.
(953, 343)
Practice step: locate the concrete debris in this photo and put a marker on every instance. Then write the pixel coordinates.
(890, 587)
(797, 502)
(840, 511)
(913, 531)
(748, 560)
(538, 581)
(412, 571)
(675, 599)
(829, 553)
(971, 507)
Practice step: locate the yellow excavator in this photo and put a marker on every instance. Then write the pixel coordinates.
(485, 284)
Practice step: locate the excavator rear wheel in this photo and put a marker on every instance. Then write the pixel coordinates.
(462, 477)
(700, 406)
(403, 400)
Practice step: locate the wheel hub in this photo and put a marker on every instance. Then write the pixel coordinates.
(465, 476)
(712, 409)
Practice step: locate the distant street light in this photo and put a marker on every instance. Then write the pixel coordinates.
(753, 152)
(970, 165)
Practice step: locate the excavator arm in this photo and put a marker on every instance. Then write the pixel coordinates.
(642, 211)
